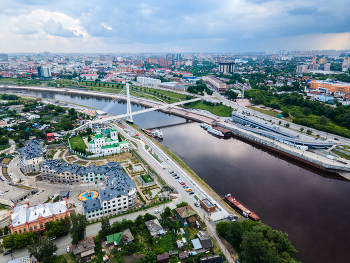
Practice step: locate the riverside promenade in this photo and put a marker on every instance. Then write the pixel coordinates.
(337, 165)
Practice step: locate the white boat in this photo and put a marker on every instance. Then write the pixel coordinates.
(158, 134)
(205, 126)
(215, 132)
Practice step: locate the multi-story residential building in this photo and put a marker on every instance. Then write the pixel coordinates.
(107, 146)
(148, 81)
(24, 218)
(120, 194)
(56, 171)
(32, 156)
(44, 72)
(227, 67)
(215, 83)
(92, 209)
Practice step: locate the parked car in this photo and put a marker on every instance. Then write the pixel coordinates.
(157, 211)
(52, 238)
(188, 190)
(177, 177)
(336, 139)
(186, 187)
(183, 183)
(172, 172)
(196, 204)
(192, 193)
(174, 175)
(68, 249)
(8, 252)
(237, 261)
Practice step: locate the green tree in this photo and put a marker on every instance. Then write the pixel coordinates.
(253, 249)
(221, 228)
(167, 213)
(105, 228)
(234, 234)
(78, 228)
(182, 204)
(42, 250)
(72, 112)
(285, 113)
(150, 257)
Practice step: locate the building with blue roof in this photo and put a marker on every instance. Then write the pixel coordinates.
(32, 156)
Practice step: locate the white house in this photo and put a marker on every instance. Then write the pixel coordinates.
(107, 146)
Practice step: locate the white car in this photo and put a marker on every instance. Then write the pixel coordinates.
(157, 211)
(68, 249)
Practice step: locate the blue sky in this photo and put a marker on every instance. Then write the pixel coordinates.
(173, 26)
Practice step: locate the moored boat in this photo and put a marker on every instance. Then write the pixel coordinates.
(242, 208)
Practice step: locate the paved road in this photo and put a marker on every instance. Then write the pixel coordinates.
(163, 170)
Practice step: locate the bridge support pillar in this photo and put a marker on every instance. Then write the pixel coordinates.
(128, 105)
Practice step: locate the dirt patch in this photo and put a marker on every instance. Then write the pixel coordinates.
(120, 157)
(6, 160)
(81, 162)
(97, 163)
(70, 159)
(132, 258)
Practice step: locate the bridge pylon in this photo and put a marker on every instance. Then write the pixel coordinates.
(128, 105)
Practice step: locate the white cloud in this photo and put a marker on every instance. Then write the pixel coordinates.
(159, 25)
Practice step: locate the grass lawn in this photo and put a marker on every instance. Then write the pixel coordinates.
(271, 113)
(77, 141)
(146, 178)
(342, 155)
(154, 94)
(219, 110)
(2, 207)
(156, 157)
(167, 242)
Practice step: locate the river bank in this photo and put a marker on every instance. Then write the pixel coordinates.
(287, 195)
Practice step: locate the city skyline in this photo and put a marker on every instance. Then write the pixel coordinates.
(154, 26)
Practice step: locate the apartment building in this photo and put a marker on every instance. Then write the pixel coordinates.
(215, 83)
(32, 156)
(148, 81)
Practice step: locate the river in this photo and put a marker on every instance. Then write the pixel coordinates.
(310, 205)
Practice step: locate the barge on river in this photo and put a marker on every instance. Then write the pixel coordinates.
(243, 209)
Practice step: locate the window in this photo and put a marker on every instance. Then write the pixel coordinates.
(30, 229)
(41, 226)
(24, 230)
(20, 231)
(35, 228)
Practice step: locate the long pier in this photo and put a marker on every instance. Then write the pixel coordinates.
(306, 157)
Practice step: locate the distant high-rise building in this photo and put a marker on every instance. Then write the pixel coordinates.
(303, 69)
(44, 72)
(168, 57)
(226, 67)
(327, 67)
(4, 57)
(178, 57)
(322, 61)
(314, 59)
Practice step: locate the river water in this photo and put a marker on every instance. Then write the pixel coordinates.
(310, 205)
